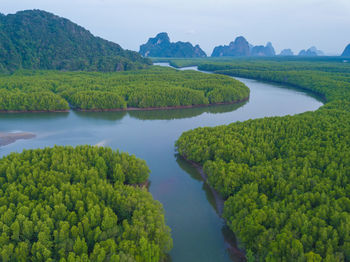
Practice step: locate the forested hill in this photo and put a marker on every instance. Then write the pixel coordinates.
(36, 39)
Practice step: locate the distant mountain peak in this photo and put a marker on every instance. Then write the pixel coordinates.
(312, 51)
(287, 52)
(241, 47)
(318, 52)
(162, 37)
(346, 51)
(240, 39)
(238, 47)
(160, 46)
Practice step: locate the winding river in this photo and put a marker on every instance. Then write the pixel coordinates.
(198, 231)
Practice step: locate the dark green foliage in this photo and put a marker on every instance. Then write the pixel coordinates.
(77, 204)
(36, 39)
(285, 179)
(34, 101)
(150, 88)
(166, 97)
(226, 95)
(95, 100)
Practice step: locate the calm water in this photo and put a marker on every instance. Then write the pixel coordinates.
(197, 230)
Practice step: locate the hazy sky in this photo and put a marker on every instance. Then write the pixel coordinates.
(295, 24)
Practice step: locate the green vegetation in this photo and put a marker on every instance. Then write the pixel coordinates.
(78, 204)
(285, 179)
(34, 101)
(96, 100)
(36, 39)
(156, 87)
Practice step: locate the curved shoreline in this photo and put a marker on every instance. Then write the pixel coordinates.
(321, 97)
(219, 206)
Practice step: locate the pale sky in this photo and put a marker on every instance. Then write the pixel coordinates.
(295, 24)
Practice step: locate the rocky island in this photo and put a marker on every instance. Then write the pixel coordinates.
(286, 52)
(312, 51)
(241, 48)
(261, 50)
(160, 46)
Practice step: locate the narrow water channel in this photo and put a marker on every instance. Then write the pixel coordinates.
(197, 230)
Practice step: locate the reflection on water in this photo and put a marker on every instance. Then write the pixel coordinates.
(195, 174)
(112, 116)
(170, 114)
(229, 236)
(232, 245)
(167, 114)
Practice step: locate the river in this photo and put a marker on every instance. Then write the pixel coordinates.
(197, 230)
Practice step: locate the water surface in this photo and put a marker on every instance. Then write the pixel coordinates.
(197, 230)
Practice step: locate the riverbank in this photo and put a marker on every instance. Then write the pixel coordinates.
(9, 138)
(237, 253)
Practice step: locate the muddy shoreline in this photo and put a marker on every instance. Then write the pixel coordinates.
(9, 138)
(219, 202)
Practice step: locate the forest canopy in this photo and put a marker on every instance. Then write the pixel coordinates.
(78, 204)
(156, 87)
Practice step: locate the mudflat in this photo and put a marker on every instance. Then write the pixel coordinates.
(8, 138)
